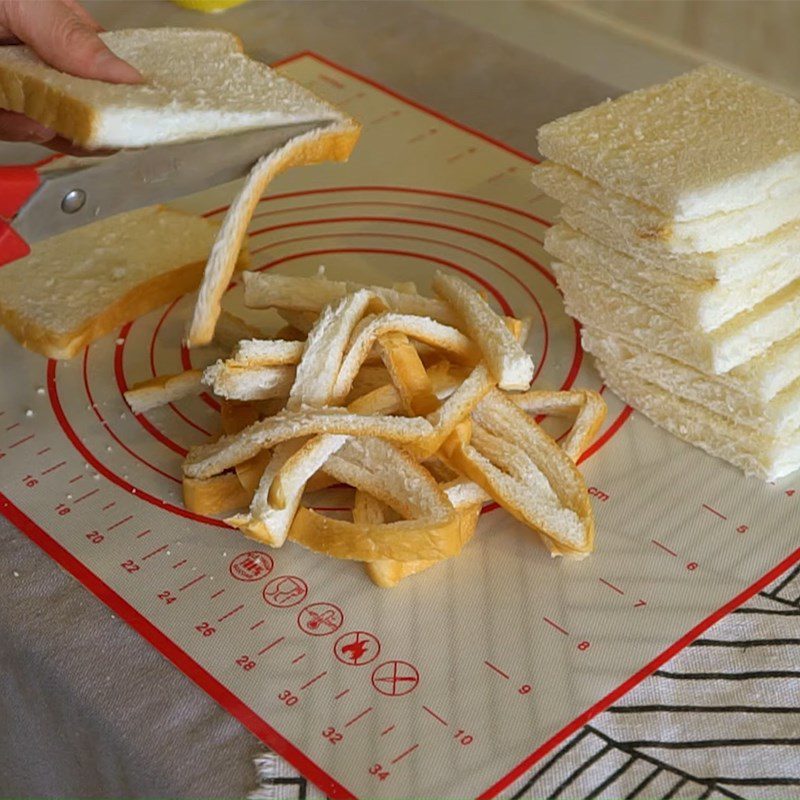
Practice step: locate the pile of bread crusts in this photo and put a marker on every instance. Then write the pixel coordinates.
(422, 405)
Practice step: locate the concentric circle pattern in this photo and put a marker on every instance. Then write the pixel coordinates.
(366, 234)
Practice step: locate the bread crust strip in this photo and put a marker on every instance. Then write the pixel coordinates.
(234, 382)
(511, 366)
(333, 143)
(390, 474)
(525, 471)
(297, 294)
(587, 407)
(450, 340)
(147, 395)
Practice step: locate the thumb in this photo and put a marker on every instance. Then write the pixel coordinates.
(64, 40)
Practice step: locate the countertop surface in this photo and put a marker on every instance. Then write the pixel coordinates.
(90, 708)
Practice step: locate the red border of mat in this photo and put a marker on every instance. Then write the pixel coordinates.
(249, 718)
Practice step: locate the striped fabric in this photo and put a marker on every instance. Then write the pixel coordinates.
(721, 719)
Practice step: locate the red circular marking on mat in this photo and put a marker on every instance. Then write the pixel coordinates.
(608, 434)
(153, 338)
(400, 189)
(285, 591)
(186, 362)
(424, 224)
(320, 619)
(251, 566)
(389, 204)
(395, 678)
(104, 423)
(577, 357)
(357, 648)
(58, 411)
(122, 385)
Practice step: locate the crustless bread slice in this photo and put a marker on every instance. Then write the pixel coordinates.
(743, 338)
(766, 457)
(696, 239)
(704, 143)
(722, 394)
(699, 305)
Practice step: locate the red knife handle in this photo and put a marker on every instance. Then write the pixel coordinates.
(17, 184)
(12, 245)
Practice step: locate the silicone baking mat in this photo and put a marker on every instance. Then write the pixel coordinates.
(460, 678)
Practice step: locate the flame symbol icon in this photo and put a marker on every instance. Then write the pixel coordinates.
(356, 648)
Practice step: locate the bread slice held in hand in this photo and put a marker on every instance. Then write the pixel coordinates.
(196, 84)
(74, 288)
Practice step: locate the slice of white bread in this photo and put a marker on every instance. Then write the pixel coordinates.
(74, 288)
(637, 221)
(778, 416)
(736, 342)
(704, 305)
(705, 142)
(733, 265)
(765, 457)
(197, 83)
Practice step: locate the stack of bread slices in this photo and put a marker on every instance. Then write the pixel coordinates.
(678, 250)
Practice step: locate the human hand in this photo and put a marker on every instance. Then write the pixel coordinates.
(64, 35)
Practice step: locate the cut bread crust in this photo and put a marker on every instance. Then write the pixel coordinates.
(510, 365)
(422, 329)
(334, 143)
(163, 389)
(324, 349)
(243, 383)
(207, 460)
